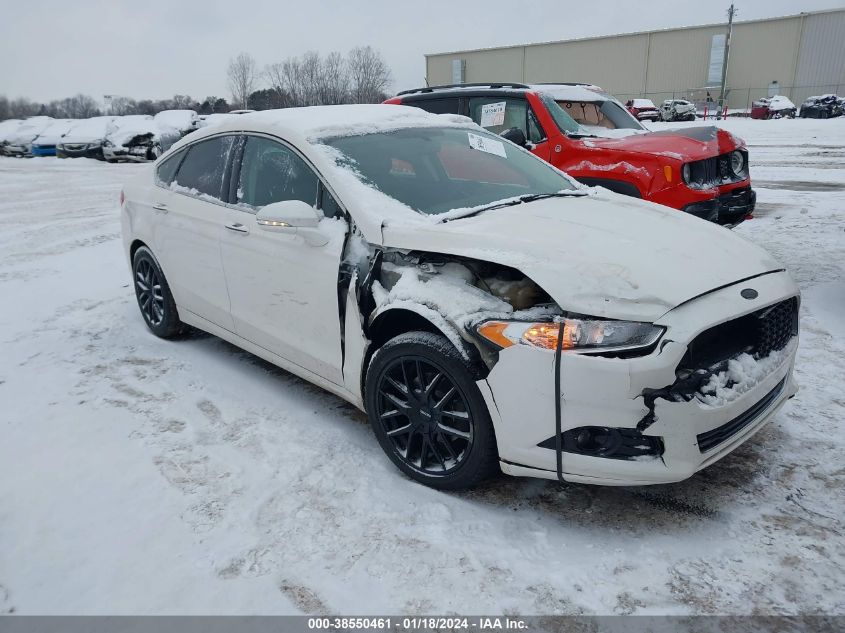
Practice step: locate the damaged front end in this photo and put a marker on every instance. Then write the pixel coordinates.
(139, 148)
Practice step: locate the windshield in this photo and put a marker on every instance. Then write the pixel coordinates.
(435, 170)
(600, 115)
(565, 123)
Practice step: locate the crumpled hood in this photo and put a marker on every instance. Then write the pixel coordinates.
(602, 255)
(684, 144)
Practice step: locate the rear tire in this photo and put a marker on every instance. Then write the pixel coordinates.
(428, 414)
(153, 295)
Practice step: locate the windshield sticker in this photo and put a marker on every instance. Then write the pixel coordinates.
(493, 114)
(489, 145)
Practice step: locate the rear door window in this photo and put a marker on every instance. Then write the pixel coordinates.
(204, 169)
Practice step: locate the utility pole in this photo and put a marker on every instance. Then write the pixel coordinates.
(731, 13)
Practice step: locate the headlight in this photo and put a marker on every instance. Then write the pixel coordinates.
(578, 334)
(685, 172)
(737, 162)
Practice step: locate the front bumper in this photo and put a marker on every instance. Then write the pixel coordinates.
(736, 205)
(43, 150)
(134, 153)
(609, 392)
(81, 150)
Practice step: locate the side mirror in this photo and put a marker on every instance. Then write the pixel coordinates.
(287, 214)
(515, 135)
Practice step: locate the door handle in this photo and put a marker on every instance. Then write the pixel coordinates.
(160, 206)
(237, 227)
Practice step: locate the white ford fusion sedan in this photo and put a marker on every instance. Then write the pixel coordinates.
(486, 311)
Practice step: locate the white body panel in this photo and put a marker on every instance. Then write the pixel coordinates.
(274, 292)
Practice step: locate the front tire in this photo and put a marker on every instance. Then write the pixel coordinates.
(428, 414)
(153, 295)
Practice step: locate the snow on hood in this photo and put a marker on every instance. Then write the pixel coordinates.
(53, 133)
(88, 130)
(122, 130)
(779, 102)
(683, 143)
(603, 255)
(8, 128)
(29, 129)
(182, 120)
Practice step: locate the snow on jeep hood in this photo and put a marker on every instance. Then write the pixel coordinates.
(604, 255)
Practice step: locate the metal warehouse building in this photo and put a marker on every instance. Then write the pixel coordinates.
(796, 56)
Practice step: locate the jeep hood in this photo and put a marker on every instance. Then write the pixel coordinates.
(684, 144)
(602, 255)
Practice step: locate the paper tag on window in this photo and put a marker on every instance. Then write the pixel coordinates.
(489, 145)
(493, 114)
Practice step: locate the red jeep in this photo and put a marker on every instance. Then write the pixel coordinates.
(591, 136)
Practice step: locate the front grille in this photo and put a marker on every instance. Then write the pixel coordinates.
(704, 174)
(759, 334)
(712, 439)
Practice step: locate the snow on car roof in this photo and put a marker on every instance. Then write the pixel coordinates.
(315, 122)
(182, 120)
(562, 92)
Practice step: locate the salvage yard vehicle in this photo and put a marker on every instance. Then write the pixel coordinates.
(643, 109)
(19, 143)
(777, 107)
(8, 129)
(700, 170)
(485, 310)
(823, 107)
(45, 143)
(677, 110)
(85, 139)
(138, 138)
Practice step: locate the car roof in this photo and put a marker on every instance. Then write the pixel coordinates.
(306, 124)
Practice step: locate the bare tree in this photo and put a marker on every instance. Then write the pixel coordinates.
(241, 74)
(333, 87)
(122, 106)
(368, 74)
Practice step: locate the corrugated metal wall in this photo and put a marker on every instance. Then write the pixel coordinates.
(804, 54)
(821, 57)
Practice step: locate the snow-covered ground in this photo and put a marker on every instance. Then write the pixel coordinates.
(142, 476)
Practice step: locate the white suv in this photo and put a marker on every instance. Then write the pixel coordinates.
(486, 311)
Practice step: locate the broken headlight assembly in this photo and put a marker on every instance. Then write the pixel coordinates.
(578, 334)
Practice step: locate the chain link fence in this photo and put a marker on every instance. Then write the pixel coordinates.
(738, 101)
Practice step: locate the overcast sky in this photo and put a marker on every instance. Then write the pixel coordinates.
(156, 48)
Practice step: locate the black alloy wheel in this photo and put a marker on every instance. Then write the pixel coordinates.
(153, 294)
(428, 414)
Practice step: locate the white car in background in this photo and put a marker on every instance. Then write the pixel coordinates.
(19, 142)
(138, 138)
(677, 110)
(85, 139)
(185, 121)
(485, 310)
(7, 129)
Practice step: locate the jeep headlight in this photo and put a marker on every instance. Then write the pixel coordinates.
(737, 162)
(579, 335)
(685, 173)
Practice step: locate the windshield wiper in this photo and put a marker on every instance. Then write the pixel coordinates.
(528, 197)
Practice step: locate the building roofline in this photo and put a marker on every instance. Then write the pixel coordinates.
(633, 33)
